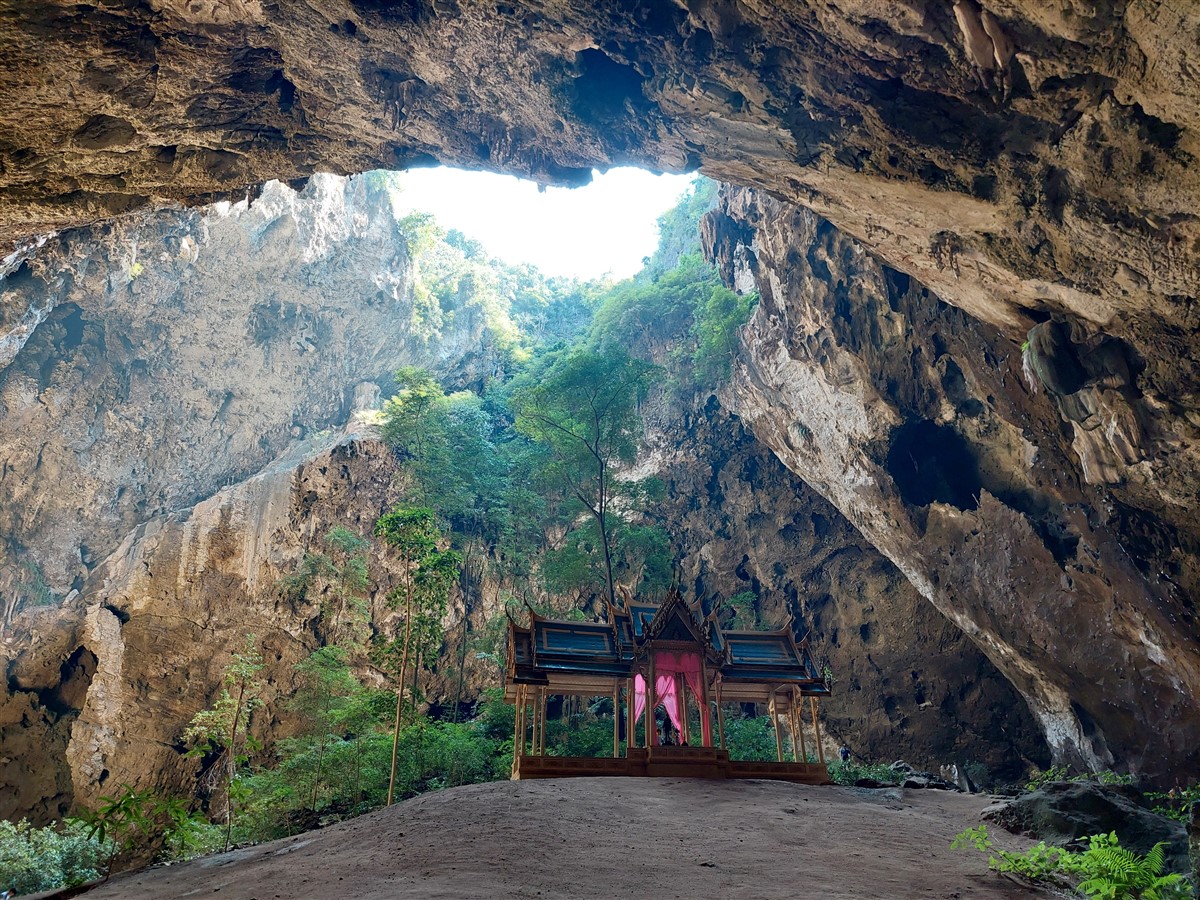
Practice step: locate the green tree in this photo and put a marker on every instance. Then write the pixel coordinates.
(425, 584)
(584, 407)
(327, 699)
(409, 417)
(223, 728)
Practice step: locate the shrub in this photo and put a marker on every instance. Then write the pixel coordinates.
(1107, 871)
(41, 859)
(849, 773)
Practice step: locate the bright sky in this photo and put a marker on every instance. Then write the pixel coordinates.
(606, 227)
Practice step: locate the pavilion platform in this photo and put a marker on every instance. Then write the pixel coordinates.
(669, 762)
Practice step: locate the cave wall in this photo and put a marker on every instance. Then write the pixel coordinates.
(907, 682)
(171, 354)
(105, 685)
(936, 436)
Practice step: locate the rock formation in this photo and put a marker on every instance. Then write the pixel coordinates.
(99, 690)
(1015, 156)
(167, 355)
(908, 683)
(961, 464)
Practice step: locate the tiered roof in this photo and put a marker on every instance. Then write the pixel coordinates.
(550, 650)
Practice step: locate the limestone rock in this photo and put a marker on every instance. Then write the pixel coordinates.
(1061, 812)
(179, 352)
(1018, 158)
(916, 421)
(906, 681)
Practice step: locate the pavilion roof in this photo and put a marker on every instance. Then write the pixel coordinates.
(554, 647)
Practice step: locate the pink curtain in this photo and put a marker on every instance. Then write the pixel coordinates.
(664, 693)
(666, 666)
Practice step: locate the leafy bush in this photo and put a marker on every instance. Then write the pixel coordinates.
(1107, 871)
(41, 859)
(1063, 773)
(849, 773)
(1176, 804)
(750, 739)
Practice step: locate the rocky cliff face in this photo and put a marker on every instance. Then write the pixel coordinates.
(977, 472)
(908, 683)
(149, 362)
(100, 690)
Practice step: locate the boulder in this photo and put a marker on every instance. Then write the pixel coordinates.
(1062, 812)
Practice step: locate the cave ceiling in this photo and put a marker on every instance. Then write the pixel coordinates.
(1020, 159)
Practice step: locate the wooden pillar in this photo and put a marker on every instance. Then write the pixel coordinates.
(705, 708)
(542, 720)
(793, 729)
(798, 714)
(519, 730)
(616, 719)
(817, 731)
(651, 702)
(631, 723)
(721, 719)
(682, 706)
(775, 722)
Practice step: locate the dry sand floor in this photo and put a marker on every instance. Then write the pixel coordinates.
(613, 838)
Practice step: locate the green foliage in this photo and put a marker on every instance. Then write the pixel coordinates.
(1175, 804)
(1064, 773)
(750, 738)
(745, 611)
(1105, 870)
(679, 229)
(584, 407)
(42, 859)
(222, 730)
(850, 772)
(1114, 873)
(134, 824)
(409, 417)
(687, 304)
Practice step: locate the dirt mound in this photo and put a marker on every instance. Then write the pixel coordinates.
(613, 837)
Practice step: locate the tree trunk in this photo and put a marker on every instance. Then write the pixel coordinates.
(232, 754)
(395, 744)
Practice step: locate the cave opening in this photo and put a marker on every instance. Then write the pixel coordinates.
(931, 463)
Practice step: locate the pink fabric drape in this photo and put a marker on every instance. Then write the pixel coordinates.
(666, 666)
(664, 693)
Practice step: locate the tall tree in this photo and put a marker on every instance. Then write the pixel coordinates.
(409, 417)
(584, 407)
(425, 584)
(224, 727)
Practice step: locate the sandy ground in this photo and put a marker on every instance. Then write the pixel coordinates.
(613, 838)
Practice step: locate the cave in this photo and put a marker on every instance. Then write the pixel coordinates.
(1046, 196)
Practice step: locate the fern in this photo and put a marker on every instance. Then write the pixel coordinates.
(1116, 873)
(1109, 871)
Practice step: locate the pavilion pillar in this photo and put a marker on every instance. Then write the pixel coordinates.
(720, 718)
(616, 719)
(682, 706)
(705, 710)
(651, 703)
(798, 715)
(541, 723)
(817, 731)
(792, 728)
(775, 721)
(519, 730)
(630, 722)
